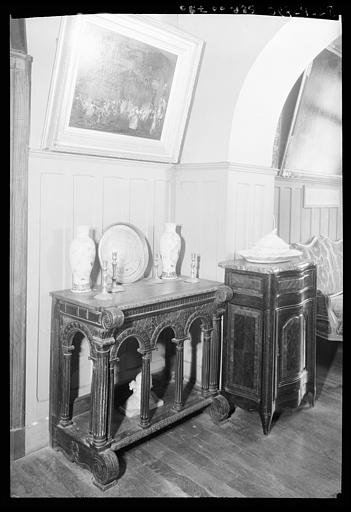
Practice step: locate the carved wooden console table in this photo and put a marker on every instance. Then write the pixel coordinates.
(91, 437)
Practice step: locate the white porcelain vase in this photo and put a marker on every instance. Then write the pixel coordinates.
(82, 257)
(169, 248)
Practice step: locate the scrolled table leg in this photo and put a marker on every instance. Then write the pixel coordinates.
(220, 409)
(105, 469)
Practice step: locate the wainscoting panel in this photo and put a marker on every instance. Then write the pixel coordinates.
(162, 209)
(284, 220)
(304, 229)
(116, 200)
(250, 205)
(140, 189)
(63, 192)
(241, 193)
(51, 265)
(222, 208)
(84, 191)
(333, 222)
(296, 223)
(200, 213)
(259, 202)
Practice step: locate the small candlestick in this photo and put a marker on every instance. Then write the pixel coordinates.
(155, 277)
(274, 223)
(193, 265)
(115, 287)
(193, 269)
(156, 262)
(104, 276)
(104, 291)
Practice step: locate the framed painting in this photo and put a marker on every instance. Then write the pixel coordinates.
(122, 87)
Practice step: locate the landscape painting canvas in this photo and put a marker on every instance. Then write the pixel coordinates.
(122, 86)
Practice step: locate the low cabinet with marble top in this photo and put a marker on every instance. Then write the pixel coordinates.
(92, 435)
(269, 346)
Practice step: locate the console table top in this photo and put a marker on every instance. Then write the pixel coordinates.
(139, 293)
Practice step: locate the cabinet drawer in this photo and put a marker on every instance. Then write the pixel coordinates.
(289, 284)
(245, 284)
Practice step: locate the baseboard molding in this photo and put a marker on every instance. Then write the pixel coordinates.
(17, 443)
(36, 436)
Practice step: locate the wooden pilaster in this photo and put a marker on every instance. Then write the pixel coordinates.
(20, 74)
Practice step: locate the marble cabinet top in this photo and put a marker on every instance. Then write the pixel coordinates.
(296, 264)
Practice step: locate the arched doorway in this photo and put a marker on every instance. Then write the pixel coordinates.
(268, 84)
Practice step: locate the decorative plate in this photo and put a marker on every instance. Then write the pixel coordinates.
(132, 251)
(254, 257)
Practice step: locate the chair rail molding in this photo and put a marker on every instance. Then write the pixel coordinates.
(307, 177)
(227, 166)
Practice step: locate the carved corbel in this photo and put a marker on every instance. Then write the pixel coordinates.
(223, 294)
(112, 318)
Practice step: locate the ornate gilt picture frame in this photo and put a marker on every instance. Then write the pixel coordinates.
(122, 86)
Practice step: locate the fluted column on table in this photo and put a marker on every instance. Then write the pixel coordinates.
(215, 351)
(145, 390)
(92, 384)
(65, 418)
(179, 374)
(111, 395)
(100, 392)
(205, 377)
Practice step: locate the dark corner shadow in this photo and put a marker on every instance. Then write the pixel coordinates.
(96, 267)
(181, 252)
(194, 340)
(75, 370)
(325, 354)
(192, 378)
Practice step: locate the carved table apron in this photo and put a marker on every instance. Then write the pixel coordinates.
(141, 312)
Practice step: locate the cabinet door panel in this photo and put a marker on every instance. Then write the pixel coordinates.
(291, 331)
(244, 351)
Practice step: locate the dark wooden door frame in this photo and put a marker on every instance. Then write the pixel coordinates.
(20, 72)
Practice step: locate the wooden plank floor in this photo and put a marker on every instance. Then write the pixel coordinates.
(301, 458)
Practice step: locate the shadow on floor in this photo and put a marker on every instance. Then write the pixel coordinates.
(326, 352)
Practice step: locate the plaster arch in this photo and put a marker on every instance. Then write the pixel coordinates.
(268, 84)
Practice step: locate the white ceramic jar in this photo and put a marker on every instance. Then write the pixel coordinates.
(169, 248)
(82, 257)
